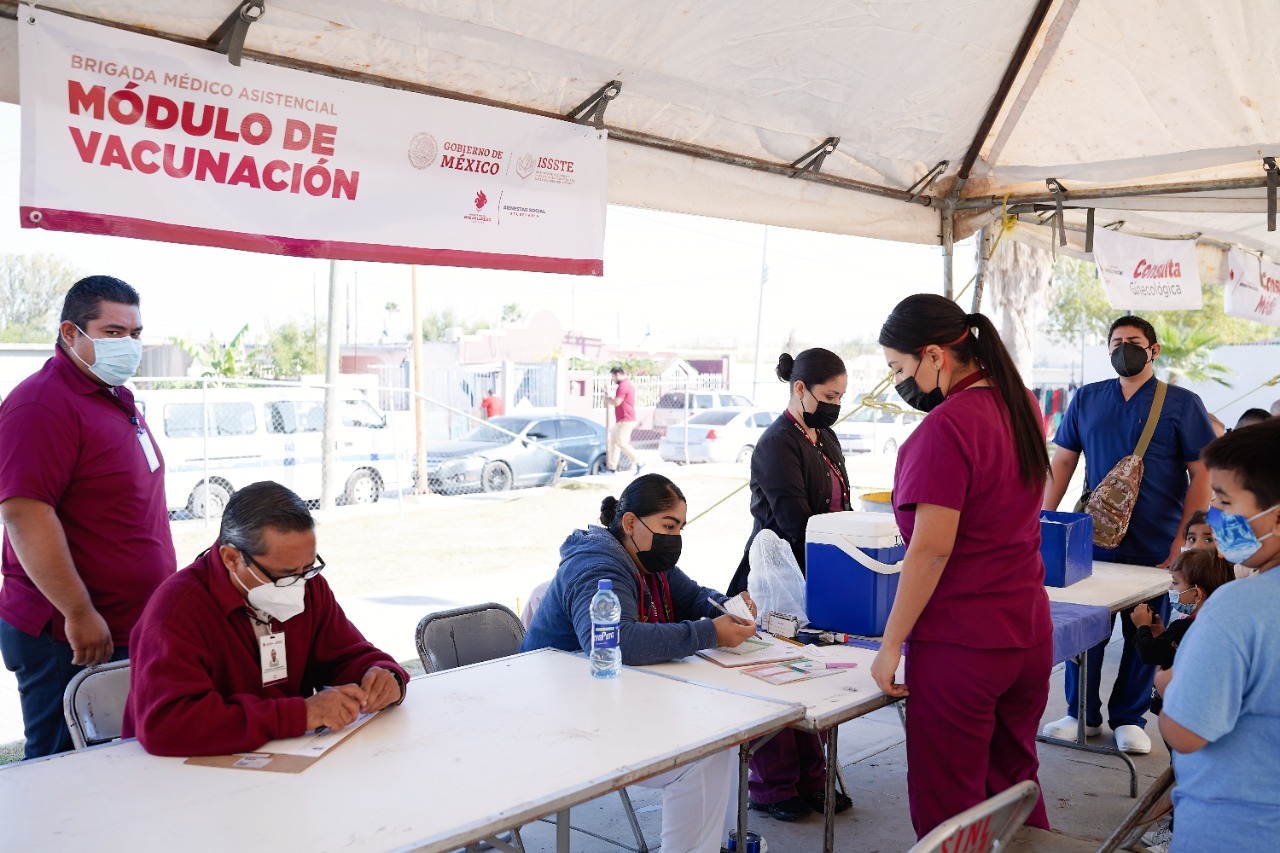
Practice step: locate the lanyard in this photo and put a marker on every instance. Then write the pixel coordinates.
(646, 597)
(816, 445)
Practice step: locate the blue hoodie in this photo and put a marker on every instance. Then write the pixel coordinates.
(563, 620)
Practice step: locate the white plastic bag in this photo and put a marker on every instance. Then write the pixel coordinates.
(775, 582)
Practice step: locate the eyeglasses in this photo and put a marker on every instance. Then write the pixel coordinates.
(288, 580)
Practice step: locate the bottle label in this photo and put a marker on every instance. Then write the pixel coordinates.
(604, 636)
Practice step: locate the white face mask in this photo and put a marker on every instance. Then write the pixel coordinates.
(115, 360)
(281, 603)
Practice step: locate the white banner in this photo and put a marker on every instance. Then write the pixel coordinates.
(132, 135)
(1253, 288)
(1151, 275)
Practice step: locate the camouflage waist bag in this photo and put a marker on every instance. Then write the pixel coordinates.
(1111, 503)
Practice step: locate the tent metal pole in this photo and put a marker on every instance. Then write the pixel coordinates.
(948, 251)
(980, 277)
(1079, 196)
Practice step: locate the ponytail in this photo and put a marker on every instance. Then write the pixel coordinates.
(924, 319)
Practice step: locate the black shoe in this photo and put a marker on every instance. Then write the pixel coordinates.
(786, 810)
(818, 802)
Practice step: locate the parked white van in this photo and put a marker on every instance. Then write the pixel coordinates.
(216, 441)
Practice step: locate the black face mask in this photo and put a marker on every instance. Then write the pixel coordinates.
(1129, 359)
(923, 401)
(663, 554)
(823, 416)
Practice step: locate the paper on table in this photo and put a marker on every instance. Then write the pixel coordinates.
(791, 671)
(312, 744)
(769, 650)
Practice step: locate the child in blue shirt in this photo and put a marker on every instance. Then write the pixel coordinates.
(1221, 713)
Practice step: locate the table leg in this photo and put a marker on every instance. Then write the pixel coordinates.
(829, 813)
(562, 831)
(1081, 741)
(744, 756)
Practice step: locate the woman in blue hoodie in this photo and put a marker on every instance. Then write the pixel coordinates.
(662, 619)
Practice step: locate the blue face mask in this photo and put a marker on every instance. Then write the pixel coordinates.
(1236, 539)
(115, 360)
(1176, 603)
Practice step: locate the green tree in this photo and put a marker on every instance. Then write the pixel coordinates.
(224, 361)
(438, 323)
(31, 292)
(513, 313)
(295, 349)
(1185, 354)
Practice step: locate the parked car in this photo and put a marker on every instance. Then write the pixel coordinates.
(491, 460)
(877, 430)
(719, 435)
(216, 441)
(675, 407)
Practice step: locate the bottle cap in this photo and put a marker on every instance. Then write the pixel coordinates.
(605, 584)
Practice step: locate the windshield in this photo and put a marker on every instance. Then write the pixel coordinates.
(718, 417)
(486, 432)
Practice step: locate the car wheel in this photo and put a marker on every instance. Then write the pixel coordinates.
(362, 489)
(496, 477)
(208, 500)
(597, 464)
(744, 455)
(890, 447)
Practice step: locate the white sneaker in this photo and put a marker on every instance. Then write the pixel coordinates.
(1133, 740)
(1065, 729)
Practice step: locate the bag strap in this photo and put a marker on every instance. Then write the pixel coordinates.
(1153, 417)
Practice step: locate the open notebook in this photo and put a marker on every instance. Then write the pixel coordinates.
(763, 649)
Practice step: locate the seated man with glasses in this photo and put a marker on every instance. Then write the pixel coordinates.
(247, 644)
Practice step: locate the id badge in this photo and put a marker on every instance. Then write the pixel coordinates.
(148, 449)
(274, 666)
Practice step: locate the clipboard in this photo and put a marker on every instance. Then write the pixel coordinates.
(287, 755)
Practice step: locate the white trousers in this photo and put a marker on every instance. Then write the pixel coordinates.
(699, 803)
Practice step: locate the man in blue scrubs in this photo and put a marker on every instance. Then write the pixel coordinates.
(1104, 421)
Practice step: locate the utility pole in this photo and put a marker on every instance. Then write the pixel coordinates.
(419, 389)
(332, 397)
(764, 277)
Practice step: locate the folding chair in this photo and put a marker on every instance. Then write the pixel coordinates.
(482, 632)
(1153, 805)
(985, 827)
(93, 703)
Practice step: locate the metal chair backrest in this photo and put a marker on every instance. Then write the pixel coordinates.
(1153, 805)
(985, 827)
(93, 703)
(467, 635)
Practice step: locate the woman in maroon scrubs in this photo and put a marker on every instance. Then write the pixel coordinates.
(971, 605)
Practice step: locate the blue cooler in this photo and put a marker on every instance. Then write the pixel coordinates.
(852, 563)
(1066, 544)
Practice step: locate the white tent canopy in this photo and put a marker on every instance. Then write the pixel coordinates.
(1157, 112)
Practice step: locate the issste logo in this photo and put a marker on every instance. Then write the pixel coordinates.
(481, 200)
(422, 150)
(524, 166)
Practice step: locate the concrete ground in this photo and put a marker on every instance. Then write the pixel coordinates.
(395, 562)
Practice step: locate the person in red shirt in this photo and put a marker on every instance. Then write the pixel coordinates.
(86, 525)
(971, 604)
(247, 644)
(492, 405)
(623, 402)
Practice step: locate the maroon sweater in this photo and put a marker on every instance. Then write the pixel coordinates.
(196, 674)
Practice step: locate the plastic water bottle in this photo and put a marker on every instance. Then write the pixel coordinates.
(606, 613)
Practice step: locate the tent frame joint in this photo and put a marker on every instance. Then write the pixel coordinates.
(230, 33)
(812, 160)
(1273, 179)
(591, 111)
(1059, 197)
(921, 186)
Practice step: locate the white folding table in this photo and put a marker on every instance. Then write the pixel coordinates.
(1116, 586)
(472, 752)
(827, 702)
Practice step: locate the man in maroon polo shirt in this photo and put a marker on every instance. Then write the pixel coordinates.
(248, 644)
(624, 422)
(86, 526)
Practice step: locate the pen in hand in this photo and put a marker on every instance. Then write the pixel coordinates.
(738, 619)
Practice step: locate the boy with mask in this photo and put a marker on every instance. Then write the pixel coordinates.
(247, 644)
(1104, 421)
(87, 536)
(1220, 715)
